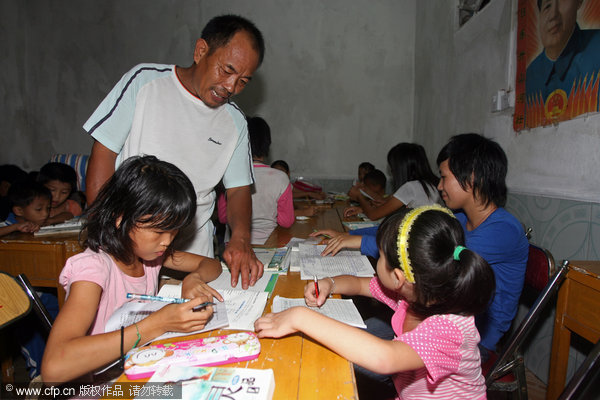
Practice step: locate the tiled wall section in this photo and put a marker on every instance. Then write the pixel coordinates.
(569, 229)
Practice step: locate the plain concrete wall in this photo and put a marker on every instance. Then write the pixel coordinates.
(336, 85)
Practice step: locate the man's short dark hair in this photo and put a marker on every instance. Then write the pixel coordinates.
(376, 177)
(219, 31)
(260, 136)
(478, 162)
(23, 193)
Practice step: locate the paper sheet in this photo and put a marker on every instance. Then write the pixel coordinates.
(134, 311)
(243, 307)
(346, 262)
(342, 310)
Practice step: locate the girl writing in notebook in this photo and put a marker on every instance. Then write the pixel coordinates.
(414, 186)
(130, 228)
(434, 285)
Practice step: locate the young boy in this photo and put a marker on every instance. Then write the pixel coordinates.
(473, 171)
(30, 204)
(374, 185)
(61, 180)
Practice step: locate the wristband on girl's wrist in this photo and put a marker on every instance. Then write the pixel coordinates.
(332, 286)
(139, 337)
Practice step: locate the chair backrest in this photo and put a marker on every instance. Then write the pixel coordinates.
(502, 365)
(38, 306)
(540, 267)
(79, 162)
(14, 302)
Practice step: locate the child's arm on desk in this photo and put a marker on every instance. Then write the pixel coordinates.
(390, 205)
(19, 226)
(201, 270)
(71, 353)
(356, 345)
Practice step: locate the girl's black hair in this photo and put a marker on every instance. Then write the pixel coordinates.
(408, 162)
(143, 190)
(442, 284)
(58, 171)
(259, 133)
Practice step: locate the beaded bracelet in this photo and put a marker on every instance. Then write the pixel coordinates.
(139, 337)
(332, 286)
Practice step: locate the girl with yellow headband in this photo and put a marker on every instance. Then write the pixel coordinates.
(434, 285)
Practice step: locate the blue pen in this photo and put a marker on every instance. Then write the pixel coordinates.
(155, 298)
(167, 300)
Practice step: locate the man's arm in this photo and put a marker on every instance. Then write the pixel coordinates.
(239, 255)
(101, 166)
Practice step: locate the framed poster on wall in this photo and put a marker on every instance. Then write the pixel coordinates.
(558, 61)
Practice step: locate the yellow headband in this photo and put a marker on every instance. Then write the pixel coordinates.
(404, 233)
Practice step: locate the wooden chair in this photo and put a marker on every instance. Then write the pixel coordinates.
(17, 298)
(505, 371)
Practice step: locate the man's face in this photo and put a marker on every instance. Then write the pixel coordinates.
(556, 23)
(225, 72)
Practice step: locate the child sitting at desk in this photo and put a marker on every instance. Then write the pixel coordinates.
(435, 286)
(30, 205)
(272, 202)
(296, 191)
(374, 184)
(130, 229)
(9, 174)
(415, 186)
(414, 183)
(61, 180)
(299, 211)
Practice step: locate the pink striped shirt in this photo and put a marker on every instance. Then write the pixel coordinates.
(446, 343)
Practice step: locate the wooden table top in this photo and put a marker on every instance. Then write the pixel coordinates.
(303, 368)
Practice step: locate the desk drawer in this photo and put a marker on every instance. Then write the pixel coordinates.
(40, 262)
(583, 308)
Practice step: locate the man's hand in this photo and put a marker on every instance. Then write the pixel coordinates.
(241, 260)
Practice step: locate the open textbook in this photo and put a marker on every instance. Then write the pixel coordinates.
(342, 310)
(243, 307)
(346, 262)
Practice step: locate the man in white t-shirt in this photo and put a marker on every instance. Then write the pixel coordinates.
(184, 116)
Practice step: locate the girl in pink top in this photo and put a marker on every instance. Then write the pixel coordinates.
(434, 285)
(130, 228)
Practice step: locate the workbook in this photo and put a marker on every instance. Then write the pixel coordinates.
(212, 383)
(272, 258)
(73, 225)
(142, 362)
(342, 310)
(134, 311)
(346, 262)
(242, 307)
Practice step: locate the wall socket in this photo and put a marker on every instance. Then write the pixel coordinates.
(500, 101)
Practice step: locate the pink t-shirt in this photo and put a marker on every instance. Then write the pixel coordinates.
(101, 269)
(447, 344)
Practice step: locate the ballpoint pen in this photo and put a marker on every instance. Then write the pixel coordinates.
(326, 236)
(316, 287)
(167, 300)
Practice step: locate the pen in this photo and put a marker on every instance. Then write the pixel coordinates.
(155, 298)
(316, 287)
(167, 300)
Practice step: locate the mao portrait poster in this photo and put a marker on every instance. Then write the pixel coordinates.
(558, 61)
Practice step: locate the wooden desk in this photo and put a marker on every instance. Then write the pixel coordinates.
(578, 311)
(303, 369)
(41, 259)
